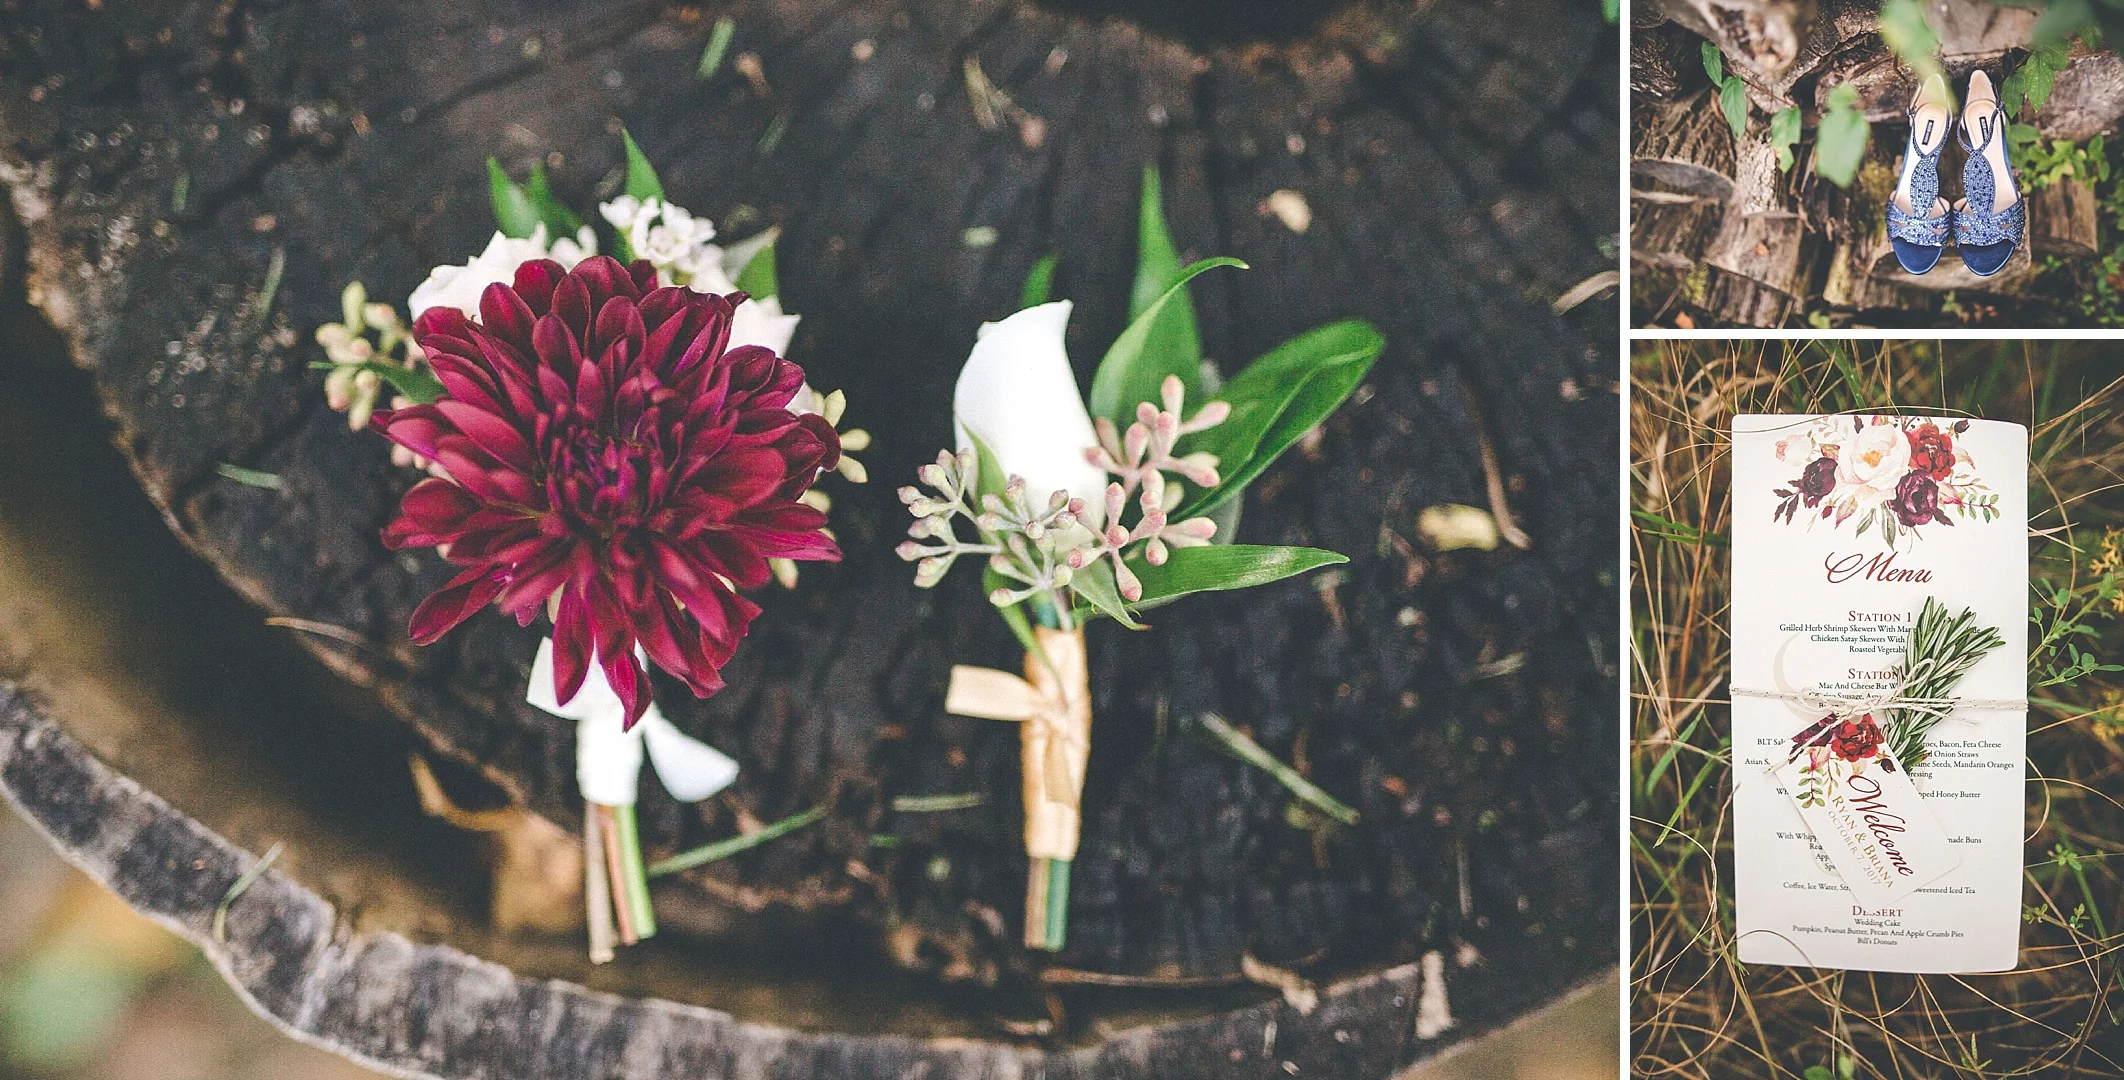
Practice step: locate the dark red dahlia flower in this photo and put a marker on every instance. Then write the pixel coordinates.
(602, 444)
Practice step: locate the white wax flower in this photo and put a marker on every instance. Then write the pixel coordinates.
(1018, 396)
(608, 760)
(460, 286)
(679, 245)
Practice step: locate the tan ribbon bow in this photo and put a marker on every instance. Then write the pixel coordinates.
(1053, 702)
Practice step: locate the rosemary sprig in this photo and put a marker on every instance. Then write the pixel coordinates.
(1943, 648)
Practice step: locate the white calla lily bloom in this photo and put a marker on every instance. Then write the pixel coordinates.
(1018, 396)
(460, 286)
(608, 760)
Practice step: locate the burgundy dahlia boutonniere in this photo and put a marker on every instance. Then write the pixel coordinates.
(605, 449)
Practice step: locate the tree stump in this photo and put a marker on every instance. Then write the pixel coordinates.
(195, 185)
(1683, 146)
(1759, 39)
(1754, 257)
(2061, 219)
(2088, 98)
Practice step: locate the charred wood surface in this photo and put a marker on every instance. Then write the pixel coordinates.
(196, 182)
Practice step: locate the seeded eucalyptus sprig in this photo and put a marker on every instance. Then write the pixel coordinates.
(1942, 648)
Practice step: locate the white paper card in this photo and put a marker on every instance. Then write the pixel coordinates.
(1869, 819)
(1842, 526)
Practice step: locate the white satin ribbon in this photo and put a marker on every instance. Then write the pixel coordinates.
(608, 760)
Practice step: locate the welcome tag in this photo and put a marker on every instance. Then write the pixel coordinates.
(1864, 811)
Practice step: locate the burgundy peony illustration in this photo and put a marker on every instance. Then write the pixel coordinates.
(1889, 474)
(603, 444)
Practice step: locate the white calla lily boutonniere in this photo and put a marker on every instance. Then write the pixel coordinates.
(1107, 506)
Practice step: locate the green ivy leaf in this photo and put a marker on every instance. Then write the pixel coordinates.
(1784, 135)
(514, 214)
(2032, 82)
(1039, 281)
(1132, 371)
(560, 221)
(1733, 101)
(641, 176)
(1840, 144)
(1277, 399)
(1230, 566)
(1173, 336)
(1714, 65)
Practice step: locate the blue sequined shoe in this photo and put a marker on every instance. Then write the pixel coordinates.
(1918, 219)
(1991, 218)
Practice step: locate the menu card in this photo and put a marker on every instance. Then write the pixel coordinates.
(1844, 857)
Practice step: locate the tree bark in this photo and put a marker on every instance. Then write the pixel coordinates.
(196, 185)
(1683, 146)
(2087, 100)
(2061, 219)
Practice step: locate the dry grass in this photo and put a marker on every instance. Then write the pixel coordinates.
(1696, 1010)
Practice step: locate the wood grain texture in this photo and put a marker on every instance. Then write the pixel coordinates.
(430, 1011)
(1458, 160)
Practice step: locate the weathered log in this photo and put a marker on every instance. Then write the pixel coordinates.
(2061, 219)
(1974, 33)
(1760, 39)
(1839, 25)
(1659, 62)
(167, 162)
(1668, 232)
(1883, 84)
(1951, 276)
(1755, 253)
(1683, 146)
(2087, 99)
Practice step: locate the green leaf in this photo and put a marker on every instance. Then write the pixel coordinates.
(560, 221)
(1229, 566)
(513, 213)
(641, 176)
(1784, 135)
(1714, 64)
(1039, 281)
(1132, 370)
(2032, 82)
(1095, 584)
(758, 279)
(1840, 145)
(1014, 615)
(1175, 334)
(1733, 101)
(1279, 398)
(419, 386)
(988, 472)
(2060, 20)
(1908, 34)
(1611, 10)
(718, 44)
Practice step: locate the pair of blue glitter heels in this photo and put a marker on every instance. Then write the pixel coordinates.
(1989, 221)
